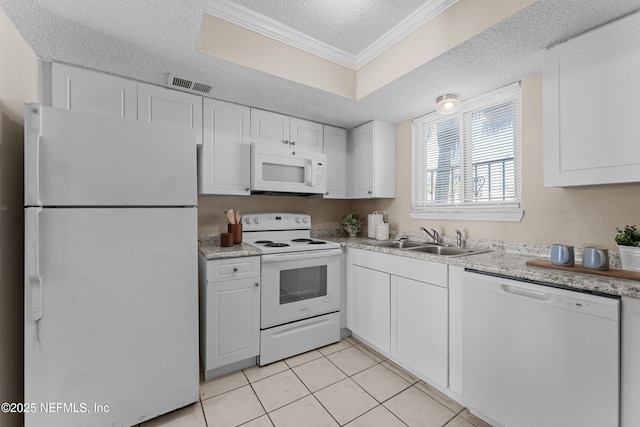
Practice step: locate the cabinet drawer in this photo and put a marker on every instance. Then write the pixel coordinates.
(434, 273)
(234, 268)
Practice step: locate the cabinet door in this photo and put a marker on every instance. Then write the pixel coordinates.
(160, 105)
(335, 147)
(93, 92)
(384, 159)
(225, 157)
(368, 313)
(591, 107)
(306, 135)
(360, 156)
(269, 128)
(419, 327)
(372, 158)
(233, 321)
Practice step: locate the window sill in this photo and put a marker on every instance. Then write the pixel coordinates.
(510, 213)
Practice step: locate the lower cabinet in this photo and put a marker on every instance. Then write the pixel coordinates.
(229, 314)
(369, 308)
(399, 306)
(419, 327)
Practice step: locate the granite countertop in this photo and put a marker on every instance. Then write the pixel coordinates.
(503, 259)
(209, 247)
(512, 265)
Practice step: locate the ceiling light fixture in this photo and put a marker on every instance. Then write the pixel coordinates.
(447, 104)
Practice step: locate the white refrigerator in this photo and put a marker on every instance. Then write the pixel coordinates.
(111, 310)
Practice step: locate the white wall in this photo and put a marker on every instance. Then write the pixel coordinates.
(576, 216)
(18, 84)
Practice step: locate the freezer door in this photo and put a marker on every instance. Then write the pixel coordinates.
(114, 337)
(80, 159)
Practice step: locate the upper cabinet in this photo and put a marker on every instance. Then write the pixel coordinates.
(79, 89)
(372, 160)
(591, 106)
(269, 128)
(279, 130)
(306, 135)
(224, 158)
(92, 92)
(360, 164)
(160, 105)
(335, 147)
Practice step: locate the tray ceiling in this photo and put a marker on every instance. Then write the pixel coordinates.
(146, 40)
(350, 33)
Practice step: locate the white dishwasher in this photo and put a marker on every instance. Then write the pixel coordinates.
(535, 355)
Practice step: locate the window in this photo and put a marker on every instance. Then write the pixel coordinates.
(467, 165)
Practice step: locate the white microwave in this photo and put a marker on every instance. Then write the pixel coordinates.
(277, 170)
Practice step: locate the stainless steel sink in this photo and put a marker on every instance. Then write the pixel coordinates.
(399, 244)
(428, 248)
(446, 250)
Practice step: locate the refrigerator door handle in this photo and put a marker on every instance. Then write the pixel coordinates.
(33, 132)
(32, 261)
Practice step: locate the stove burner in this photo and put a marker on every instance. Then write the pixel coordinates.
(263, 241)
(276, 245)
(302, 240)
(317, 242)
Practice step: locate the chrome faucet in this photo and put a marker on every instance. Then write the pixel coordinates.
(433, 234)
(458, 238)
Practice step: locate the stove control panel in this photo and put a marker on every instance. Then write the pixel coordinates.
(276, 221)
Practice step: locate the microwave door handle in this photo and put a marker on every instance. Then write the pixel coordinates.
(309, 175)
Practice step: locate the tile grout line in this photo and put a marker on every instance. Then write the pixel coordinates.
(347, 376)
(411, 380)
(204, 415)
(379, 404)
(326, 356)
(410, 385)
(313, 393)
(359, 386)
(258, 397)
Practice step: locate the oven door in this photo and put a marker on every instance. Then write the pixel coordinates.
(299, 285)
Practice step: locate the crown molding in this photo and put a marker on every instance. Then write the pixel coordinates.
(251, 20)
(411, 23)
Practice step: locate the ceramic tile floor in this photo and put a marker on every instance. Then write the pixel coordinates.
(342, 384)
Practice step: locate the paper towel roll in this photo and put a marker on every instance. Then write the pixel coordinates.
(382, 231)
(373, 219)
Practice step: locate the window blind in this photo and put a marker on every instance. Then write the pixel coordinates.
(438, 162)
(491, 139)
(470, 157)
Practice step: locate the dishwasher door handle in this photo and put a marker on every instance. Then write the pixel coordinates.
(526, 293)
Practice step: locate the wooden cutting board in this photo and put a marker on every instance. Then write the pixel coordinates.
(612, 272)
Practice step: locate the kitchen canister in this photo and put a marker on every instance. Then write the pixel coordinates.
(373, 219)
(382, 231)
(236, 230)
(226, 240)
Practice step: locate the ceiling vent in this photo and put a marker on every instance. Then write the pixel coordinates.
(180, 83)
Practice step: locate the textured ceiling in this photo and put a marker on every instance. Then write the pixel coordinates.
(347, 25)
(146, 39)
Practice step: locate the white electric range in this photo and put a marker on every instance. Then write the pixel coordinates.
(280, 233)
(300, 299)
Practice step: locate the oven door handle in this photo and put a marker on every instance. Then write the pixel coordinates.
(295, 256)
